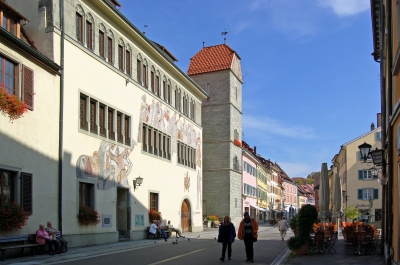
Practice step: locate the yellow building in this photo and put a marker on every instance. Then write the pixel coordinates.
(385, 16)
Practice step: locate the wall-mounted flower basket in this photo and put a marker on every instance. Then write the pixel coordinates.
(88, 216)
(238, 143)
(277, 200)
(11, 105)
(12, 217)
(154, 215)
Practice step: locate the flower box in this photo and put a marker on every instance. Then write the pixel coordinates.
(238, 143)
(11, 105)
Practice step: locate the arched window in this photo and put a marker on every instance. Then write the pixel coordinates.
(169, 93)
(144, 76)
(153, 79)
(157, 83)
(79, 23)
(110, 46)
(102, 30)
(89, 31)
(164, 88)
(128, 60)
(139, 68)
(121, 46)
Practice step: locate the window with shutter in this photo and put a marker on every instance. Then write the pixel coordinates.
(101, 44)
(8, 75)
(120, 58)
(7, 179)
(79, 28)
(110, 50)
(89, 35)
(26, 192)
(128, 62)
(360, 194)
(376, 191)
(27, 86)
(138, 70)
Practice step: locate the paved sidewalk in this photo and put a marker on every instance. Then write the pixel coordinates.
(339, 258)
(76, 253)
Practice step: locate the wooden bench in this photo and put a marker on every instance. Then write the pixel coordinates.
(160, 235)
(14, 242)
(32, 238)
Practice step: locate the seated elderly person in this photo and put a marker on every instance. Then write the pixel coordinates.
(171, 227)
(55, 234)
(160, 230)
(42, 237)
(154, 228)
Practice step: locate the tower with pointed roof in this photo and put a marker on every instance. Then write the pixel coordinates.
(217, 70)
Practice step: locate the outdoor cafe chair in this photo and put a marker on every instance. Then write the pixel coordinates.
(350, 242)
(318, 244)
(330, 243)
(362, 243)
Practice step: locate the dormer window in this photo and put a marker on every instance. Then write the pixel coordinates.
(9, 24)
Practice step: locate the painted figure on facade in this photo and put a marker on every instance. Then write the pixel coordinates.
(186, 181)
(109, 165)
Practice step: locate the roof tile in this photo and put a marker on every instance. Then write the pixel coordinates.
(210, 59)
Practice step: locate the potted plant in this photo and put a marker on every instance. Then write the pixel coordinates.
(154, 215)
(351, 212)
(11, 105)
(307, 216)
(293, 222)
(88, 216)
(12, 217)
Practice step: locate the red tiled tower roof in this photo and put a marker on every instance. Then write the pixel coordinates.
(213, 58)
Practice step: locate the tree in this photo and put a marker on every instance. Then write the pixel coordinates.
(299, 181)
(351, 212)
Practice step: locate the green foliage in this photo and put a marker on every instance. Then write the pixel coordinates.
(299, 181)
(351, 212)
(293, 222)
(307, 216)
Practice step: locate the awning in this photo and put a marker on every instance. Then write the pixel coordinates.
(259, 208)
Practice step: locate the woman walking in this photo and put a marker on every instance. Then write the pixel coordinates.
(226, 236)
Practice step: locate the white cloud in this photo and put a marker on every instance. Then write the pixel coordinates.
(271, 126)
(346, 7)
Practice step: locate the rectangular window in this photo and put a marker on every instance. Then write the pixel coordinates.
(126, 130)
(128, 63)
(79, 28)
(101, 44)
(89, 35)
(144, 137)
(367, 174)
(86, 195)
(149, 140)
(110, 50)
(110, 124)
(7, 191)
(9, 24)
(169, 95)
(102, 120)
(185, 155)
(82, 115)
(26, 193)
(120, 58)
(119, 127)
(155, 144)
(93, 128)
(8, 75)
(168, 148)
(164, 87)
(153, 201)
(138, 70)
(164, 147)
(159, 142)
(367, 193)
(144, 76)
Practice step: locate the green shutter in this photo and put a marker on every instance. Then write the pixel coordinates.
(360, 174)
(378, 136)
(360, 193)
(376, 193)
(359, 157)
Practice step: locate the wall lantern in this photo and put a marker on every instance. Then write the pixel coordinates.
(364, 151)
(137, 182)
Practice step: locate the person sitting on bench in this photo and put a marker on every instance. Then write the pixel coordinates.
(153, 229)
(42, 237)
(171, 227)
(161, 231)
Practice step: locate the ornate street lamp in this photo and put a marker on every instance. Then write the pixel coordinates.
(364, 150)
(137, 182)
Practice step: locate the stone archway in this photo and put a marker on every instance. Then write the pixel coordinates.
(185, 216)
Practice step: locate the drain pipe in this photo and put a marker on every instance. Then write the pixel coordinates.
(61, 120)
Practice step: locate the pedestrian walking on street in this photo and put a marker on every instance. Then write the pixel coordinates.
(226, 236)
(283, 226)
(247, 232)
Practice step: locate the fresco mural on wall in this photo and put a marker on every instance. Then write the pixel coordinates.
(110, 165)
(186, 181)
(199, 181)
(158, 116)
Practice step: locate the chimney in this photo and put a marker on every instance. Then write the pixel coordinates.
(372, 126)
(378, 120)
(255, 149)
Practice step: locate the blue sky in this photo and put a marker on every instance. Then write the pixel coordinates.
(310, 82)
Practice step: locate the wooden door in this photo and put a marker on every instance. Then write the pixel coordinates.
(185, 217)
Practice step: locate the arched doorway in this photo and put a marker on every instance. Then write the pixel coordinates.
(185, 216)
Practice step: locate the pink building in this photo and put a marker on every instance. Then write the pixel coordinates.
(291, 204)
(249, 178)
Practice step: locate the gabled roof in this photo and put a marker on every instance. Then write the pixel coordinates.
(211, 59)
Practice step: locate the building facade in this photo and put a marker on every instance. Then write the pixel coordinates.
(250, 188)
(132, 139)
